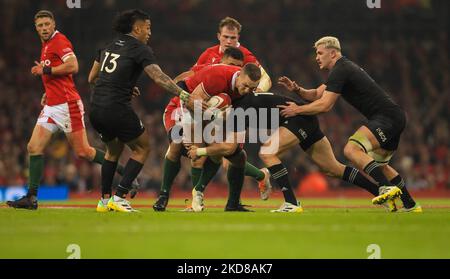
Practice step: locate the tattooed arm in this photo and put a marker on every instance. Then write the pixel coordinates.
(163, 80)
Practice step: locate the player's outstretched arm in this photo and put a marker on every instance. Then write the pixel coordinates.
(324, 104)
(307, 94)
(163, 80)
(183, 75)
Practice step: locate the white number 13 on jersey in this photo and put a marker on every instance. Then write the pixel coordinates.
(112, 64)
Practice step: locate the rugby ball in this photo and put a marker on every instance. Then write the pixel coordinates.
(220, 101)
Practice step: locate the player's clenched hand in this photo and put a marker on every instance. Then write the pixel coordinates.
(289, 84)
(44, 99)
(136, 92)
(192, 152)
(192, 102)
(289, 110)
(38, 69)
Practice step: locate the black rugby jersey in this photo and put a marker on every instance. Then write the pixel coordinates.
(121, 64)
(359, 89)
(264, 105)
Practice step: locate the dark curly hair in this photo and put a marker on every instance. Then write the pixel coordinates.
(125, 20)
(234, 53)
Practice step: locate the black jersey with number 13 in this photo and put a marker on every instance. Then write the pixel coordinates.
(121, 64)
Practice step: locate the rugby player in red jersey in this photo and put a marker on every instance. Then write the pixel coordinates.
(63, 108)
(228, 36)
(207, 82)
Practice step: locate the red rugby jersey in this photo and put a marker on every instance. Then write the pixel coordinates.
(213, 55)
(215, 79)
(59, 89)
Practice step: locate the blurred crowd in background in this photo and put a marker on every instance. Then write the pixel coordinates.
(404, 46)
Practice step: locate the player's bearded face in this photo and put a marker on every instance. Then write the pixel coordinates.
(245, 85)
(45, 27)
(228, 37)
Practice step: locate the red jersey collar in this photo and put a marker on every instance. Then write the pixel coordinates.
(233, 80)
(51, 37)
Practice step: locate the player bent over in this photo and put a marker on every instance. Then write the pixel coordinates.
(208, 81)
(300, 130)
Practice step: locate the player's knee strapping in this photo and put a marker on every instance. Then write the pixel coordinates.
(361, 141)
(382, 159)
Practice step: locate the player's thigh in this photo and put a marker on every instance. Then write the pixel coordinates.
(382, 131)
(40, 138)
(363, 138)
(306, 129)
(102, 121)
(279, 142)
(174, 151)
(131, 130)
(322, 154)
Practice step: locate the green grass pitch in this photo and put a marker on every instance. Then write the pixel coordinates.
(329, 228)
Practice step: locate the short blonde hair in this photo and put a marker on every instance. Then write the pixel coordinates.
(329, 42)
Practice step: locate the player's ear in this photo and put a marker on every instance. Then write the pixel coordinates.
(218, 36)
(135, 28)
(332, 53)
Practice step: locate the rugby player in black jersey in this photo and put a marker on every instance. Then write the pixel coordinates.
(288, 133)
(115, 72)
(371, 147)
